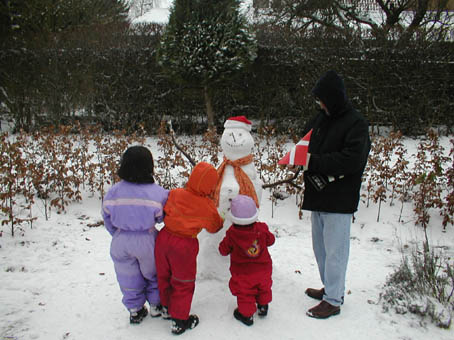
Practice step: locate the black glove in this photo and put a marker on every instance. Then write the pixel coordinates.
(318, 181)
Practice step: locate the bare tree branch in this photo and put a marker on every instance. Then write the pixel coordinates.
(288, 180)
(350, 16)
(376, 107)
(178, 146)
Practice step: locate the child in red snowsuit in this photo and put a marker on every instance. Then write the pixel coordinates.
(187, 211)
(250, 262)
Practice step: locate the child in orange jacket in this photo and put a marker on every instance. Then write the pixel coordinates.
(187, 211)
(250, 262)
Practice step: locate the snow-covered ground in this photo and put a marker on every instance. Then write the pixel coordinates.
(57, 280)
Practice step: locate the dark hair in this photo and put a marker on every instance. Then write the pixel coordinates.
(137, 165)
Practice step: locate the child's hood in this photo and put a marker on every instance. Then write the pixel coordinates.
(203, 179)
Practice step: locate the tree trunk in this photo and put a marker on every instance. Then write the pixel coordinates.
(420, 11)
(209, 106)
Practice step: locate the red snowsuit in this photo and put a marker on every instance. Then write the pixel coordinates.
(250, 265)
(187, 211)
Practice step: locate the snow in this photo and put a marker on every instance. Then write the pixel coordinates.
(155, 15)
(58, 282)
(160, 13)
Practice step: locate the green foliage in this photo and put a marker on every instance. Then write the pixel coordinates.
(110, 73)
(27, 20)
(120, 84)
(206, 41)
(184, 11)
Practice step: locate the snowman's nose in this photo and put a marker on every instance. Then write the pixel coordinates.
(233, 136)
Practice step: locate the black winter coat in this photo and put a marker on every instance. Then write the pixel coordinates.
(339, 148)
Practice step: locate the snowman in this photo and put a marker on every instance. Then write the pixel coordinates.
(237, 175)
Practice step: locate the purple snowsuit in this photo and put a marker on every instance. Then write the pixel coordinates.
(130, 212)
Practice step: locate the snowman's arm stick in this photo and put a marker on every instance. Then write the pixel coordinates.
(285, 181)
(178, 146)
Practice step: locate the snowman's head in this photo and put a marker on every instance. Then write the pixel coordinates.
(237, 141)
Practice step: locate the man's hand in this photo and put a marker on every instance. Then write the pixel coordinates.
(293, 168)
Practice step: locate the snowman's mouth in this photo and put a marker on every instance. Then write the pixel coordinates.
(234, 145)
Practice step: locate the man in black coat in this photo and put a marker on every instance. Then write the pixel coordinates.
(338, 151)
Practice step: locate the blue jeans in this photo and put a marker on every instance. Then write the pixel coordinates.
(331, 244)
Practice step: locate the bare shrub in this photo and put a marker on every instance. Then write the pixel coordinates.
(423, 284)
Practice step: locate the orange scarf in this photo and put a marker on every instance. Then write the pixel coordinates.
(245, 183)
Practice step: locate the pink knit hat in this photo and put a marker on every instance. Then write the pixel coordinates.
(243, 210)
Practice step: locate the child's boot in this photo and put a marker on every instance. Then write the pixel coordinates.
(136, 316)
(247, 320)
(180, 326)
(165, 313)
(262, 309)
(155, 310)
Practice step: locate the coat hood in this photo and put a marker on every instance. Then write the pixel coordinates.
(249, 239)
(203, 179)
(330, 89)
(248, 248)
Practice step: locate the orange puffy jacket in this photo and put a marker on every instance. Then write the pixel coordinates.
(190, 209)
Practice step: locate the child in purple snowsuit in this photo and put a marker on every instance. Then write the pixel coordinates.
(130, 210)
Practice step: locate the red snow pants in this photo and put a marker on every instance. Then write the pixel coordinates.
(176, 265)
(251, 289)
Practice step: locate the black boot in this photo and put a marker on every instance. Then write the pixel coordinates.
(155, 310)
(136, 317)
(248, 321)
(180, 326)
(262, 310)
(165, 313)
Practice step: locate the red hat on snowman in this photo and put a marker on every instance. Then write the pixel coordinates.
(238, 122)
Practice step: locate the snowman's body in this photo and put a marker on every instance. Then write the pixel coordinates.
(236, 143)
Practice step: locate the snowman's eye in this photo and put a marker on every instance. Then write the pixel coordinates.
(241, 134)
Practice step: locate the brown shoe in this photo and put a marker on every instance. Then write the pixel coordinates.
(323, 310)
(316, 294)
